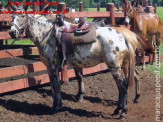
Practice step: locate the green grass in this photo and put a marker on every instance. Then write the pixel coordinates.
(20, 42)
(160, 12)
(161, 48)
(95, 9)
(152, 68)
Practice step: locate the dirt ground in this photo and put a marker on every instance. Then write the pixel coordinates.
(100, 101)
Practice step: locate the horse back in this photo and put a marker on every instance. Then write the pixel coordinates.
(151, 21)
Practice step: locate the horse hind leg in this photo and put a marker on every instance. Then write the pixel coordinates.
(122, 87)
(137, 85)
(143, 57)
(81, 91)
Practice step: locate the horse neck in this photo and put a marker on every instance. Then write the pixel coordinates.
(37, 30)
(136, 20)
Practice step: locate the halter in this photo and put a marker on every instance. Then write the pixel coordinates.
(22, 28)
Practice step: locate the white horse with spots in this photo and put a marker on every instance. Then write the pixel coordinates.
(109, 46)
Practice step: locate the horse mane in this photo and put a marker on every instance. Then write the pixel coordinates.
(41, 19)
(139, 9)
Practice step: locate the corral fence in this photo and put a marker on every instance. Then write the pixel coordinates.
(11, 73)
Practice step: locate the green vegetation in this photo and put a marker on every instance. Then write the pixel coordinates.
(87, 3)
(152, 68)
(160, 12)
(20, 42)
(161, 49)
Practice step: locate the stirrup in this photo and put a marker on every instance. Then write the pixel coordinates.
(63, 63)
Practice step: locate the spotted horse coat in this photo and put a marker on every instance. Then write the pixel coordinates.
(109, 47)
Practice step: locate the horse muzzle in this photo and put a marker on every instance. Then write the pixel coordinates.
(13, 34)
(126, 24)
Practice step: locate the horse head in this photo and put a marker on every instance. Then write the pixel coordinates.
(129, 13)
(20, 20)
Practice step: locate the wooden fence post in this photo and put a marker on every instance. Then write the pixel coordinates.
(145, 3)
(118, 7)
(61, 7)
(34, 7)
(155, 8)
(98, 6)
(64, 74)
(149, 9)
(123, 7)
(42, 6)
(110, 8)
(80, 6)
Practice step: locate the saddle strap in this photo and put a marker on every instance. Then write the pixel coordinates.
(67, 46)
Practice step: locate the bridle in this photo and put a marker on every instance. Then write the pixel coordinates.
(20, 28)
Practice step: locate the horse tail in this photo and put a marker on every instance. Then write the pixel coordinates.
(144, 44)
(131, 69)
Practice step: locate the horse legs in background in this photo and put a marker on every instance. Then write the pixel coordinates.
(53, 72)
(81, 91)
(138, 51)
(143, 57)
(137, 85)
(152, 50)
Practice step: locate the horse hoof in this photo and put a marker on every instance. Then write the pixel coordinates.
(121, 117)
(56, 109)
(79, 98)
(143, 68)
(136, 101)
(136, 98)
(116, 112)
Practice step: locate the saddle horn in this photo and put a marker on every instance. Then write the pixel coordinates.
(60, 19)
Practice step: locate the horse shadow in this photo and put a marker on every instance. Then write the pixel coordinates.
(39, 109)
(42, 109)
(72, 98)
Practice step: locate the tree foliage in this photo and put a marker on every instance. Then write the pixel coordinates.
(87, 3)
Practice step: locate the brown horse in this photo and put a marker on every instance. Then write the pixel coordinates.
(145, 25)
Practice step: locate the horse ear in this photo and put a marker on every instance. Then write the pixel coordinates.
(133, 2)
(25, 7)
(46, 8)
(125, 1)
(13, 7)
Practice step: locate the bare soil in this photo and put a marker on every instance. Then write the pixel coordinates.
(100, 101)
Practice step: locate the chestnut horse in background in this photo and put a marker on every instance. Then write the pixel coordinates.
(145, 25)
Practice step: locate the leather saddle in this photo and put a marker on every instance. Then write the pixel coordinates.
(70, 34)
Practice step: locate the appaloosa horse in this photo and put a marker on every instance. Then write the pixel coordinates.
(145, 25)
(109, 46)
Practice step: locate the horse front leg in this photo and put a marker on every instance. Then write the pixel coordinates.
(81, 91)
(122, 87)
(53, 72)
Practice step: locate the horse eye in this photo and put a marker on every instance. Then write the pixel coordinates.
(130, 10)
